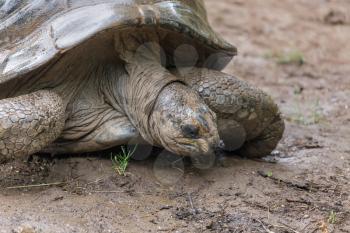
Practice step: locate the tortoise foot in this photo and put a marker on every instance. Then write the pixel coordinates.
(249, 121)
(30, 122)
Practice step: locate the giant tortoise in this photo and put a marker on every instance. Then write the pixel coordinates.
(87, 75)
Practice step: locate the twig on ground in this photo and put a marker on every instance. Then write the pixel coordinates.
(114, 191)
(285, 226)
(97, 180)
(303, 186)
(265, 228)
(36, 185)
(106, 191)
(191, 202)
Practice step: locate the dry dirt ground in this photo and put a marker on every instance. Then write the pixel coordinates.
(297, 50)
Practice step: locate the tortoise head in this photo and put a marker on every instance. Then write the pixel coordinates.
(183, 123)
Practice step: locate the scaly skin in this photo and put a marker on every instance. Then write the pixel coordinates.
(30, 122)
(248, 119)
(166, 112)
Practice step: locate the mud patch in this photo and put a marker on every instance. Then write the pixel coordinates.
(303, 187)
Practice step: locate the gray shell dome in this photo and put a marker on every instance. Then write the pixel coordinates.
(33, 32)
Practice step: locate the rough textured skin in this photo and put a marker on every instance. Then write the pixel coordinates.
(160, 106)
(29, 123)
(146, 78)
(246, 115)
(95, 120)
(183, 122)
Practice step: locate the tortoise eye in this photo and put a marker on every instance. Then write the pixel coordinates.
(190, 131)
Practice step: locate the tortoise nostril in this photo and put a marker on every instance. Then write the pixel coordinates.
(190, 131)
(221, 145)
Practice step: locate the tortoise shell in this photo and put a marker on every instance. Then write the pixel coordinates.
(34, 32)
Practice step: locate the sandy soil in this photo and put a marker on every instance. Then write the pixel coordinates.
(303, 187)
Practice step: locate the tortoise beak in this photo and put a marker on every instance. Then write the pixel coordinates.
(203, 146)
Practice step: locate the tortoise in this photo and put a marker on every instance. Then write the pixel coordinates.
(87, 75)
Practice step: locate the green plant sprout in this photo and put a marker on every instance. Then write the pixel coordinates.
(269, 174)
(120, 161)
(286, 58)
(332, 217)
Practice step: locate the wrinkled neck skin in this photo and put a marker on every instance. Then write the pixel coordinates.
(146, 79)
(139, 93)
(166, 112)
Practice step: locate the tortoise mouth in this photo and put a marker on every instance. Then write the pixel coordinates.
(195, 147)
(187, 143)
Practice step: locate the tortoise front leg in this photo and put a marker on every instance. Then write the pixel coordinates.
(28, 123)
(248, 119)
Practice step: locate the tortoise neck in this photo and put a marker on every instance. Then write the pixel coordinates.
(147, 78)
(139, 92)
